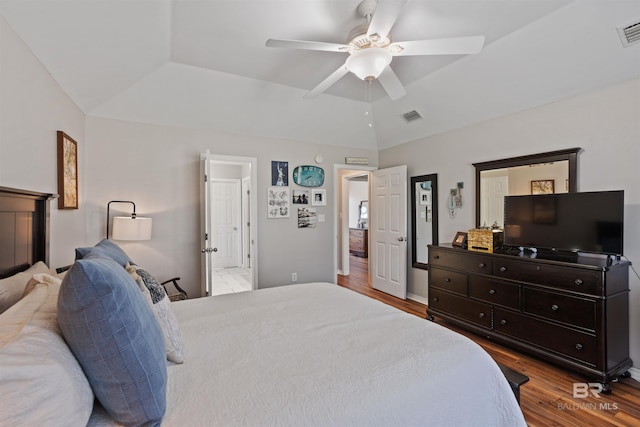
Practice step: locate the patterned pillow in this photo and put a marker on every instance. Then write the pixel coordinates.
(105, 248)
(116, 338)
(155, 288)
(162, 309)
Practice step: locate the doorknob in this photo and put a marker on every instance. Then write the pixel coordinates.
(401, 239)
(209, 250)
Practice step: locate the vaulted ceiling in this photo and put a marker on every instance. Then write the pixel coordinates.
(204, 64)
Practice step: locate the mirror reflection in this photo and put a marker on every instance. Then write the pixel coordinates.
(550, 172)
(541, 178)
(424, 217)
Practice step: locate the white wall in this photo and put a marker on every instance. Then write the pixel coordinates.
(605, 124)
(158, 167)
(32, 108)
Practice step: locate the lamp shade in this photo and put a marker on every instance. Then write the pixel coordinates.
(368, 63)
(127, 228)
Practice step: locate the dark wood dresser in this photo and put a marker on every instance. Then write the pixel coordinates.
(574, 314)
(359, 242)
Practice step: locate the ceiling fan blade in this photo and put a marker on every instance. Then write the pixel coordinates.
(327, 83)
(391, 84)
(449, 46)
(305, 45)
(384, 17)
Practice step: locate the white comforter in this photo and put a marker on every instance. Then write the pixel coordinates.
(320, 355)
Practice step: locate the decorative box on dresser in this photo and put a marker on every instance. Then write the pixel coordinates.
(571, 313)
(359, 242)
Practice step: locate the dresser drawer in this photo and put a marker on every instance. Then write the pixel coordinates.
(449, 280)
(461, 260)
(573, 279)
(558, 339)
(460, 307)
(495, 292)
(356, 242)
(580, 312)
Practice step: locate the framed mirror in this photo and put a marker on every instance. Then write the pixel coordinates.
(554, 171)
(363, 214)
(424, 217)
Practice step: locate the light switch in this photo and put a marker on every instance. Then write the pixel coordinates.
(320, 218)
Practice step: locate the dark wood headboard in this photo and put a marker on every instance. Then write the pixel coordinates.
(24, 229)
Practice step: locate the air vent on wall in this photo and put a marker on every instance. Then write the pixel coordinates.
(411, 116)
(629, 34)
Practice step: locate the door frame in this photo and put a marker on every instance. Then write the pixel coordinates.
(342, 239)
(206, 159)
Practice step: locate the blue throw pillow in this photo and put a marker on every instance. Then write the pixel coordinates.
(116, 338)
(107, 249)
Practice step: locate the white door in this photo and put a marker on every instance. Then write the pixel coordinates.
(212, 165)
(226, 233)
(388, 231)
(493, 190)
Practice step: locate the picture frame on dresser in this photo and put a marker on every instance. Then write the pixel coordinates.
(460, 240)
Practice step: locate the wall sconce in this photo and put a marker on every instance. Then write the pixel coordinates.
(129, 228)
(455, 199)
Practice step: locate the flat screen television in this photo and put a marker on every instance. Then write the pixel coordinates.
(575, 222)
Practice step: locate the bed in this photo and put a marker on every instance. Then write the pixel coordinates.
(311, 354)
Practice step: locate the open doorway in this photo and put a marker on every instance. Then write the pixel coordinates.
(229, 224)
(351, 221)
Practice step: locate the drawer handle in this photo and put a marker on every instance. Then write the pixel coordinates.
(578, 346)
(503, 322)
(503, 269)
(482, 265)
(447, 280)
(436, 257)
(436, 299)
(578, 282)
(481, 315)
(492, 291)
(555, 307)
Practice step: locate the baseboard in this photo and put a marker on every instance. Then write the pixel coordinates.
(635, 373)
(417, 298)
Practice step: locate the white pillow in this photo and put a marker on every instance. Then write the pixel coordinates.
(41, 382)
(12, 287)
(173, 341)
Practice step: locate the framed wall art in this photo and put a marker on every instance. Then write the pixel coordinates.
(543, 186)
(278, 202)
(319, 197)
(279, 173)
(67, 172)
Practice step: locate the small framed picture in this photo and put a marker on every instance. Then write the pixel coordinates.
(543, 186)
(319, 197)
(460, 240)
(425, 197)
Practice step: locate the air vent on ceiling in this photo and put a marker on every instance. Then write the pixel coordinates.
(411, 116)
(629, 34)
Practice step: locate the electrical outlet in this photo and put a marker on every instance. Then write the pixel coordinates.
(294, 277)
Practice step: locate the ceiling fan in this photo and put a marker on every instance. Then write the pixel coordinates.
(370, 48)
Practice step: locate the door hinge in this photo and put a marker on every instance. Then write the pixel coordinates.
(206, 236)
(205, 177)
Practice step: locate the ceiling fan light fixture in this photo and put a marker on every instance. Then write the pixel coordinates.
(368, 63)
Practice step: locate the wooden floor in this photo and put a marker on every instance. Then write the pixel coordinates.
(547, 399)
